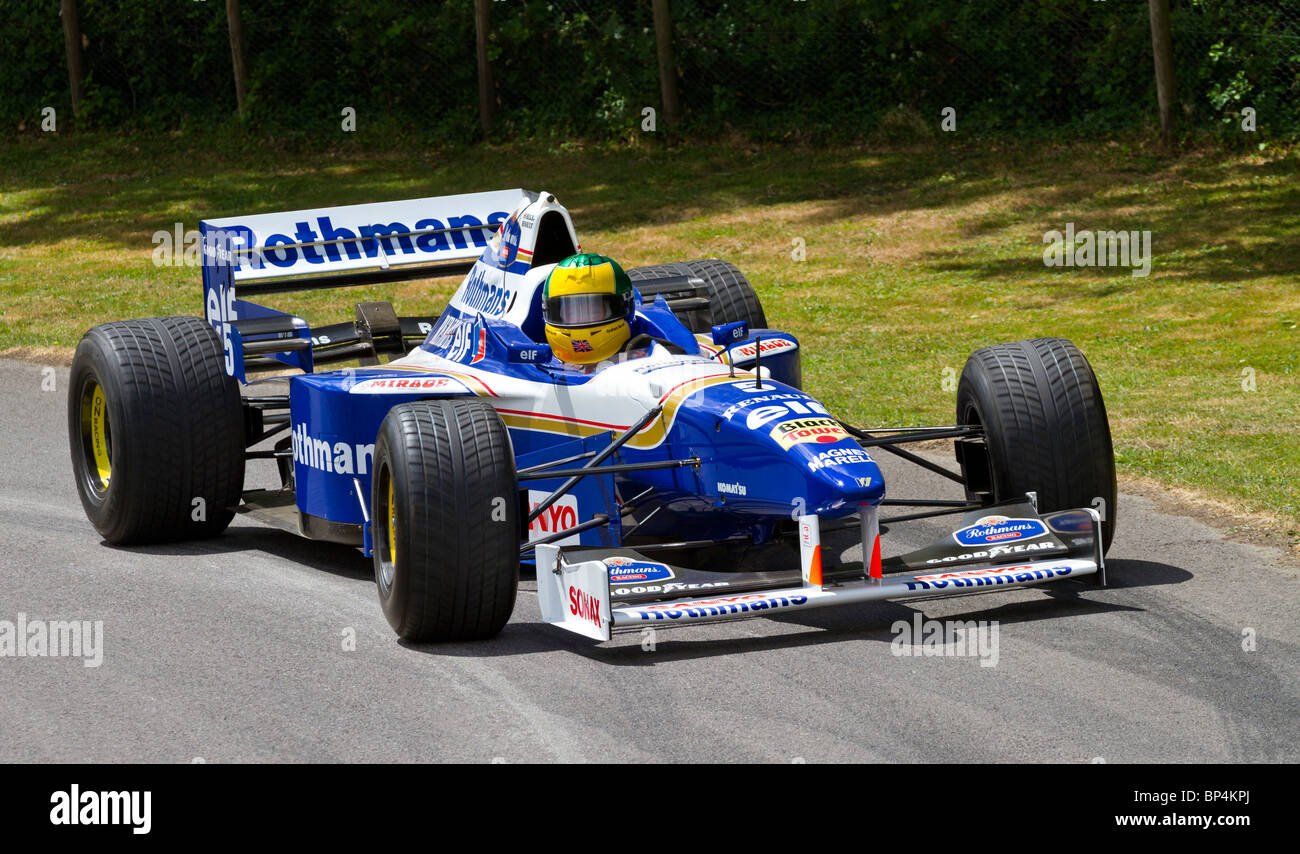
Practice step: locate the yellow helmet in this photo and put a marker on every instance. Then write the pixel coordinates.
(588, 306)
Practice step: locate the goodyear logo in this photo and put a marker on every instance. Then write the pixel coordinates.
(807, 430)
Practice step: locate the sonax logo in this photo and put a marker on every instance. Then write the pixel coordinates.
(585, 606)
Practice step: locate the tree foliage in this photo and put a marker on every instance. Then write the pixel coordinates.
(770, 68)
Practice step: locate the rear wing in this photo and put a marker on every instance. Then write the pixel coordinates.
(332, 248)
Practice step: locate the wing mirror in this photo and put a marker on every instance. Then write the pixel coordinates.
(730, 333)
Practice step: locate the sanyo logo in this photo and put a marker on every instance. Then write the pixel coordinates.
(338, 458)
(560, 516)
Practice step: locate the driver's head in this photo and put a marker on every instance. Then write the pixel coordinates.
(587, 304)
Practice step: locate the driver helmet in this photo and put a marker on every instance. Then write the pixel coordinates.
(588, 307)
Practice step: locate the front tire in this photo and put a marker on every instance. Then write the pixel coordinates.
(1045, 429)
(156, 431)
(445, 521)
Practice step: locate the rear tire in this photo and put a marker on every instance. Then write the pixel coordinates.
(156, 431)
(1045, 428)
(445, 520)
(731, 296)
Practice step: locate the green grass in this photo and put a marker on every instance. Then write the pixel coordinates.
(914, 258)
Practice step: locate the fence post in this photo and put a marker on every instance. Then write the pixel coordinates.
(486, 97)
(667, 68)
(72, 43)
(1162, 49)
(237, 53)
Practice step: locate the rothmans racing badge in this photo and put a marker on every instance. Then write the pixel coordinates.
(991, 530)
(626, 570)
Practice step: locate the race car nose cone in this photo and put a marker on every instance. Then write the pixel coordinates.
(844, 481)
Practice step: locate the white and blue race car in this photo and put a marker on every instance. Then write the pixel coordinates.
(460, 449)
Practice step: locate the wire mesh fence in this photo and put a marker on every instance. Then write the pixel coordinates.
(767, 68)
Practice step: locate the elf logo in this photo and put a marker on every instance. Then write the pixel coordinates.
(767, 414)
(220, 310)
(560, 516)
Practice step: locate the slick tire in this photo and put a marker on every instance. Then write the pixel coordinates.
(156, 431)
(445, 521)
(1045, 429)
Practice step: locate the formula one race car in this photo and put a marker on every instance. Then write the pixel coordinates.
(639, 487)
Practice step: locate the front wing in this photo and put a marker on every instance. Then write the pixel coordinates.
(574, 587)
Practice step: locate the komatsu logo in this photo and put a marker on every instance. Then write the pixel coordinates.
(337, 458)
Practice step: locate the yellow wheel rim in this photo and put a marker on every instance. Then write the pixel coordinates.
(97, 435)
(392, 523)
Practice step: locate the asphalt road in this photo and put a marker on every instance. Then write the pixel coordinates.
(234, 650)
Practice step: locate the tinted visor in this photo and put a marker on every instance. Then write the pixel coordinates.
(585, 309)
